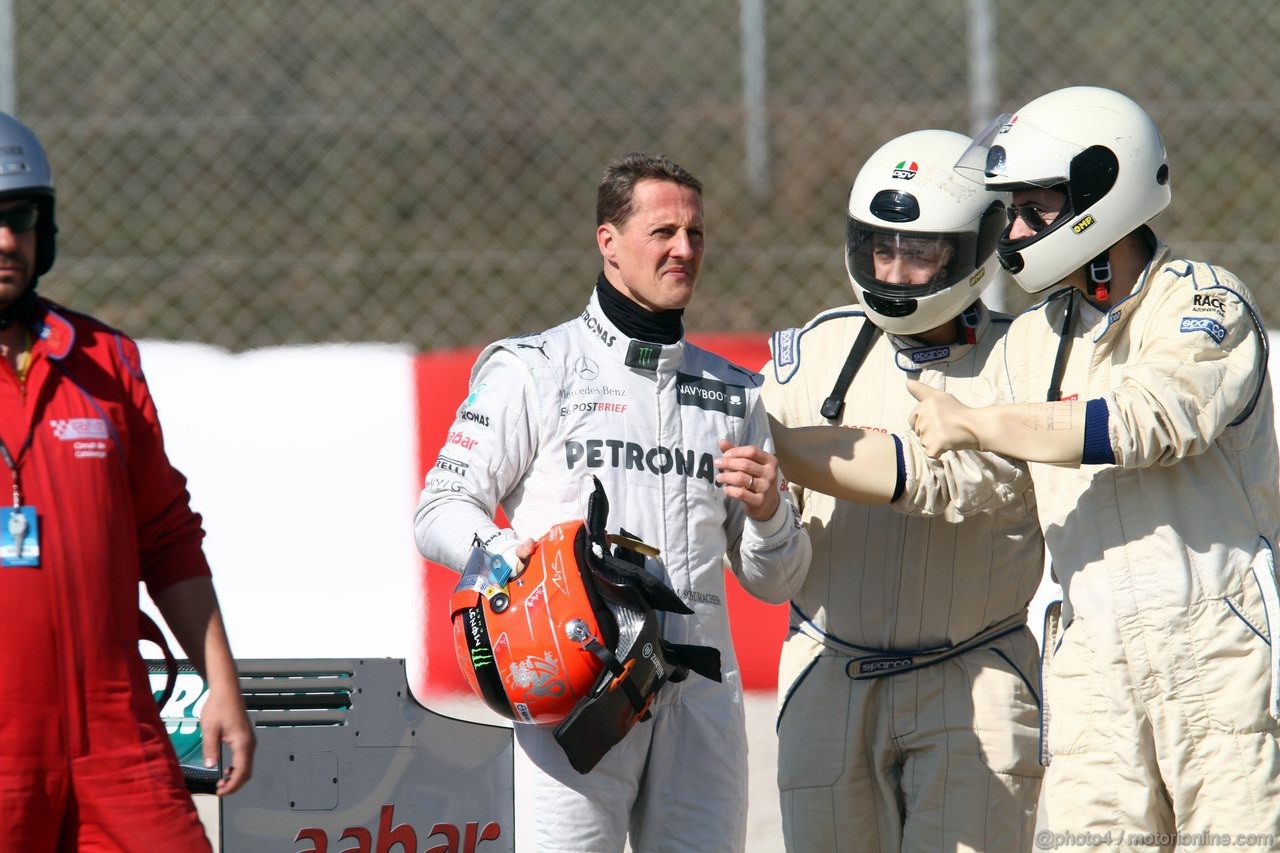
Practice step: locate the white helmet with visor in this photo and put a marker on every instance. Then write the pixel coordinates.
(1097, 147)
(920, 240)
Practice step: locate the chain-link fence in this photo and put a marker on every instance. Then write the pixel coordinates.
(255, 172)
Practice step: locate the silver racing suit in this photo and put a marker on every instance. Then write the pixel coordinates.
(544, 414)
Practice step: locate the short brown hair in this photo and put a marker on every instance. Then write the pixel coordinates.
(617, 187)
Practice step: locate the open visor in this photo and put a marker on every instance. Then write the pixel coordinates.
(1011, 153)
(915, 263)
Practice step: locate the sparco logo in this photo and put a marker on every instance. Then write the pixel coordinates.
(1212, 328)
(711, 394)
(925, 356)
(616, 453)
(598, 328)
(464, 838)
(883, 664)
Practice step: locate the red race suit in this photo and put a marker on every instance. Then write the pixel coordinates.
(85, 762)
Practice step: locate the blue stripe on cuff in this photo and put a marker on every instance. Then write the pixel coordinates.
(1097, 438)
(902, 470)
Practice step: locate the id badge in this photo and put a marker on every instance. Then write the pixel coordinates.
(19, 537)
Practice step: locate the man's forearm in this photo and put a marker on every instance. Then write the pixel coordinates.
(190, 609)
(851, 464)
(1035, 432)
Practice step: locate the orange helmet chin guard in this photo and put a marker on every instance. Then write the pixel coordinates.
(573, 641)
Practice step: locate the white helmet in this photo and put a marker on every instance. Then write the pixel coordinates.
(25, 173)
(908, 198)
(1098, 147)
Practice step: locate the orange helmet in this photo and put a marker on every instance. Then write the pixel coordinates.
(573, 641)
(521, 644)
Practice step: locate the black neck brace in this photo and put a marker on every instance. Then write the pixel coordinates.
(661, 327)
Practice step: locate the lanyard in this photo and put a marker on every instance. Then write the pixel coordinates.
(13, 466)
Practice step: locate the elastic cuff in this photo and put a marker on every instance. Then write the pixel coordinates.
(1097, 436)
(775, 523)
(901, 483)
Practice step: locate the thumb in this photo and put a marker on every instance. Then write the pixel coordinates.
(921, 391)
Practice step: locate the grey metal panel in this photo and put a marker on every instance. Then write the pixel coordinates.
(403, 772)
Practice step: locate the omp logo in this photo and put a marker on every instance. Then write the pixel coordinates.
(629, 456)
(597, 328)
(711, 394)
(1083, 225)
(481, 657)
(456, 838)
(906, 170)
(72, 429)
(1212, 328)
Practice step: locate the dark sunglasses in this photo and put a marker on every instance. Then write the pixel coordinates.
(20, 219)
(1033, 215)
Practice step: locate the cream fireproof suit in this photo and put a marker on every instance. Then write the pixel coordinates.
(1161, 690)
(545, 413)
(892, 734)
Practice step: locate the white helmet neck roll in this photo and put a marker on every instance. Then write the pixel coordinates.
(1096, 146)
(908, 199)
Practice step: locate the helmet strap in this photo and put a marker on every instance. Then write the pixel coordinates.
(1100, 276)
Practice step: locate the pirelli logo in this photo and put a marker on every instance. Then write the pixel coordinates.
(1083, 225)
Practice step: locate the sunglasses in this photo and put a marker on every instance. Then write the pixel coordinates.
(20, 219)
(1036, 217)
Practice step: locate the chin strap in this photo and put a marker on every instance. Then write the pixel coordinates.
(1100, 276)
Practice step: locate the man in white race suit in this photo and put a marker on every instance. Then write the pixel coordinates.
(680, 440)
(1138, 392)
(909, 681)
